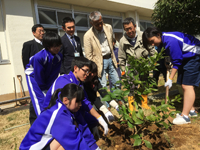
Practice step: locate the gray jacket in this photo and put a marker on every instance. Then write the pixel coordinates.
(125, 49)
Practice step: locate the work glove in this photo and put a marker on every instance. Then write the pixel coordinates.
(114, 104)
(109, 116)
(168, 83)
(104, 124)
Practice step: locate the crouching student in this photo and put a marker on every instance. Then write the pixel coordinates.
(80, 69)
(184, 51)
(61, 126)
(91, 86)
(41, 72)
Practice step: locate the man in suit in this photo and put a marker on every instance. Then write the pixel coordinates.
(30, 48)
(98, 46)
(71, 46)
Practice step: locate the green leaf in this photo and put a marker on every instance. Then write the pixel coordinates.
(140, 114)
(135, 136)
(137, 142)
(148, 144)
(106, 98)
(130, 125)
(165, 125)
(126, 92)
(138, 121)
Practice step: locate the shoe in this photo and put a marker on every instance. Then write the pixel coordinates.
(181, 120)
(191, 114)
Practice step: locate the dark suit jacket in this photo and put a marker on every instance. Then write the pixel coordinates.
(67, 50)
(29, 49)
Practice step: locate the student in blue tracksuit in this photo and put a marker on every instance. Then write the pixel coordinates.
(61, 125)
(184, 51)
(92, 85)
(42, 70)
(80, 69)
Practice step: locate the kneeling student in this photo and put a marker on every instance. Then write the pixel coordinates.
(61, 126)
(91, 86)
(80, 69)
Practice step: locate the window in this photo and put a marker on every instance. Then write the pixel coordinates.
(4, 58)
(144, 25)
(51, 19)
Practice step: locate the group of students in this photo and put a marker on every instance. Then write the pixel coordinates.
(66, 118)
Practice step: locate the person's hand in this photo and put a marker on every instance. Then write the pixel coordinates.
(109, 116)
(104, 124)
(168, 83)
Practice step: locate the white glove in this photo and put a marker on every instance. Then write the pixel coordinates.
(104, 124)
(113, 103)
(168, 83)
(110, 117)
(97, 148)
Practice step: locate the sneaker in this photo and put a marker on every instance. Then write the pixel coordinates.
(181, 120)
(178, 115)
(191, 114)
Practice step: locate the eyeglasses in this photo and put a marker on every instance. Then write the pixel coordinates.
(86, 71)
(40, 31)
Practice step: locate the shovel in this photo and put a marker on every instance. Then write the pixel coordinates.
(22, 102)
(168, 66)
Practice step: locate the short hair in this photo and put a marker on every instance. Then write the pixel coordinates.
(148, 33)
(95, 15)
(66, 20)
(34, 28)
(51, 39)
(80, 62)
(128, 20)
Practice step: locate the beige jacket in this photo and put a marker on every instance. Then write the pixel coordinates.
(125, 49)
(92, 47)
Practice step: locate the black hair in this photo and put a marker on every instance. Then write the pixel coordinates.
(114, 40)
(66, 20)
(149, 33)
(80, 62)
(94, 67)
(70, 91)
(34, 28)
(128, 20)
(51, 39)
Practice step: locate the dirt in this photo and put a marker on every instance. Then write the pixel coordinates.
(178, 137)
(118, 139)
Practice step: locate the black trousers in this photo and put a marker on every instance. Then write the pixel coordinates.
(32, 115)
(156, 74)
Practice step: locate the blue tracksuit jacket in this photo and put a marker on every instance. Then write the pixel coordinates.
(60, 82)
(180, 46)
(41, 72)
(58, 123)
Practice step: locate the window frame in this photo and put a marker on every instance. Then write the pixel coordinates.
(3, 61)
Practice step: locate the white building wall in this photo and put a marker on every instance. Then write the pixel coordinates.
(19, 17)
(18, 23)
